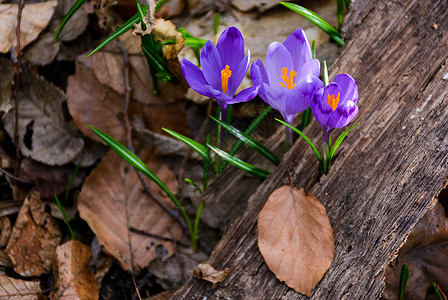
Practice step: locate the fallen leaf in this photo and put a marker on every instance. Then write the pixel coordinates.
(35, 18)
(210, 274)
(74, 279)
(90, 103)
(18, 289)
(166, 30)
(49, 180)
(93, 103)
(108, 67)
(102, 204)
(44, 134)
(5, 231)
(426, 253)
(34, 239)
(295, 238)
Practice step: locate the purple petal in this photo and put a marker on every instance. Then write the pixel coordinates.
(289, 118)
(258, 73)
(311, 67)
(277, 58)
(343, 115)
(348, 86)
(298, 46)
(319, 105)
(195, 78)
(275, 97)
(238, 75)
(212, 65)
(231, 47)
(300, 97)
(245, 95)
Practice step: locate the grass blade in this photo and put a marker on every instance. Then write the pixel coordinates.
(199, 148)
(70, 183)
(257, 146)
(438, 291)
(197, 219)
(67, 17)
(65, 216)
(216, 21)
(340, 12)
(339, 141)
(304, 137)
(316, 20)
(254, 171)
(156, 63)
(159, 4)
(191, 182)
(129, 24)
(404, 275)
(195, 42)
(347, 3)
(248, 132)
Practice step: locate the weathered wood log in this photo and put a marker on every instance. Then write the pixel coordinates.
(389, 170)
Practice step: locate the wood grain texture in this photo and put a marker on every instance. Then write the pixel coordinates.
(388, 171)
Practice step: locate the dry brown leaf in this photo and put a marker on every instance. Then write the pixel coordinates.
(44, 133)
(108, 68)
(74, 279)
(34, 239)
(90, 103)
(49, 180)
(426, 253)
(166, 30)
(35, 18)
(101, 204)
(295, 238)
(18, 289)
(5, 231)
(210, 274)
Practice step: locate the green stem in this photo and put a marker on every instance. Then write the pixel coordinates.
(326, 159)
(195, 236)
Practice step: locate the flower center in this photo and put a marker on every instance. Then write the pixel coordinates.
(288, 79)
(225, 74)
(333, 101)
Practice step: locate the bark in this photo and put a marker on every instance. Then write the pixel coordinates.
(389, 170)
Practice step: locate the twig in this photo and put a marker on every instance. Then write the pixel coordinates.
(18, 179)
(16, 65)
(136, 287)
(130, 146)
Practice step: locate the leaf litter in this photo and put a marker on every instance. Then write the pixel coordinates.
(295, 238)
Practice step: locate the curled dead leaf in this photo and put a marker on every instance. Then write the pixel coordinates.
(35, 18)
(34, 239)
(295, 238)
(166, 30)
(210, 274)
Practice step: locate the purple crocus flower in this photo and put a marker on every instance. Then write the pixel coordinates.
(334, 106)
(223, 68)
(291, 77)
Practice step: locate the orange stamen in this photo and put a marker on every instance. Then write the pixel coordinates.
(333, 102)
(225, 74)
(288, 80)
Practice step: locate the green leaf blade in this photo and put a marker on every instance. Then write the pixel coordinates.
(404, 275)
(254, 171)
(199, 148)
(67, 17)
(340, 140)
(257, 146)
(304, 137)
(129, 24)
(316, 20)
